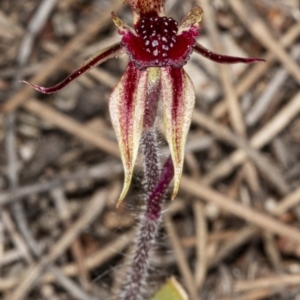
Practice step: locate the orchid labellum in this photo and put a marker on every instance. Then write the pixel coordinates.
(158, 48)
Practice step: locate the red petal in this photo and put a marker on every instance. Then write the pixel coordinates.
(92, 62)
(159, 42)
(127, 108)
(178, 98)
(223, 59)
(160, 50)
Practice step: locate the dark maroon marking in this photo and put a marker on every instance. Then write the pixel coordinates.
(110, 52)
(156, 198)
(223, 59)
(176, 75)
(131, 82)
(157, 43)
(177, 86)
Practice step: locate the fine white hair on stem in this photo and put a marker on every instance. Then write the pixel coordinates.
(137, 274)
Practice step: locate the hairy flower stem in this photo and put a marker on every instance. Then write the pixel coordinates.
(156, 183)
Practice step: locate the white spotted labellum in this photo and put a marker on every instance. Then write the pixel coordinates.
(157, 48)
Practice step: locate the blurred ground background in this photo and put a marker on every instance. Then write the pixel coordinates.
(233, 231)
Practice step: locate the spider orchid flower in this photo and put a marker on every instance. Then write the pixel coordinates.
(158, 48)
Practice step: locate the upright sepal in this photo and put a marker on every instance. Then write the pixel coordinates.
(143, 7)
(178, 97)
(127, 107)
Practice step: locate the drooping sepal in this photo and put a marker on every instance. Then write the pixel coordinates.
(223, 59)
(146, 7)
(127, 107)
(178, 97)
(97, 59)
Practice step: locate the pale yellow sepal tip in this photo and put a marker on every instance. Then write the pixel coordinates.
(122, 196)
(125, 189)
(119, 202)
(174, 195)
(175, 191)
(176, 188)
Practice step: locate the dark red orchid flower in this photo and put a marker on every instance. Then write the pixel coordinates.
(158, 48)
